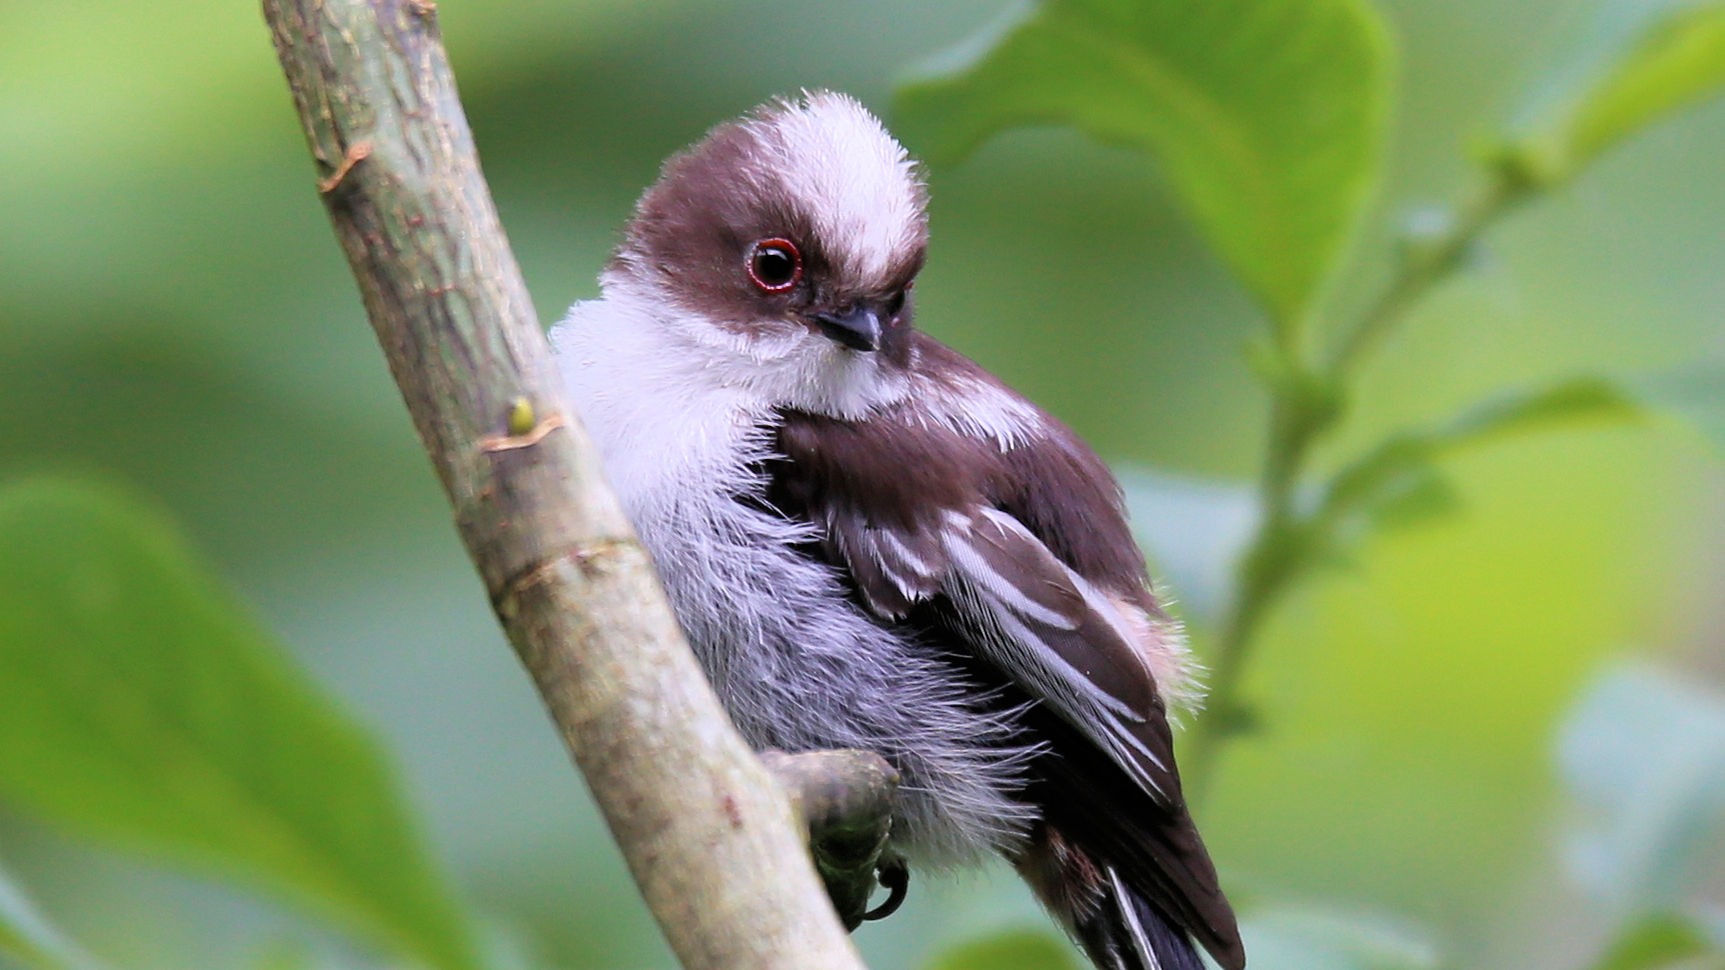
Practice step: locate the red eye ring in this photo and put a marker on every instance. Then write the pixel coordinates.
(774, 264)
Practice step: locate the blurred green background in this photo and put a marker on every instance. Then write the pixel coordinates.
(175, 317)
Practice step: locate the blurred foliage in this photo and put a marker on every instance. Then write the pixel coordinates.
(1313, 938)
(1645, 756)
(1645, 60)
(1397, 481)
(1267, 115)
(1697, 393)
(1662, 941)
(28, 937)
(176, 319)
(1092, 65)
(143, 708)
(1011, 950)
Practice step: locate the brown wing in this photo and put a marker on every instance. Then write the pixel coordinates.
(1021, 556)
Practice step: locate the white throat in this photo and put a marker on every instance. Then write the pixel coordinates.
(652, 345)
(669, 396)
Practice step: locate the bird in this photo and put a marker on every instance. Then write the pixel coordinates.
(871, 542)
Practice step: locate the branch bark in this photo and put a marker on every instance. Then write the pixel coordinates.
(712, 842)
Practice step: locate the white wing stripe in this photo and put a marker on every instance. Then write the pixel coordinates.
(1037, 657)
(903, 553)
(1000, 610)
(1129, 913)
(976, 569)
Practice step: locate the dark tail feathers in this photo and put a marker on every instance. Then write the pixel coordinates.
(1117, 925)
(1127, 933)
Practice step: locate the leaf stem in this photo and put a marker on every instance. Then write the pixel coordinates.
(1307, 402)
(1426, 261)
(1275, 556)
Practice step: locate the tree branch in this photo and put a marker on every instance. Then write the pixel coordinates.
(712, 842)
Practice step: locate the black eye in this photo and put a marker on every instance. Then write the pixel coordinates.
(896, 303)
(775, 265)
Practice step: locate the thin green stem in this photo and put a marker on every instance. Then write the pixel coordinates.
(1306, 405)
(1272, 560)
(1425, 263)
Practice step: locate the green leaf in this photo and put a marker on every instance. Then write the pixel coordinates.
(1398, 480)
(1009, 950)
(1641, 62)
(27, 937)
(1644, 755)
(139, 704)
(1323, 938)
(1656, 941)
(1267, 116)
(1577, 399)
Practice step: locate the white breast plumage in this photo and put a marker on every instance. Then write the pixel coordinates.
(798, 664)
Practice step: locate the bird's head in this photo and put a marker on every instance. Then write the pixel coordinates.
(788, 239)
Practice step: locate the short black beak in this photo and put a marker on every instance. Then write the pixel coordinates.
(857, 328)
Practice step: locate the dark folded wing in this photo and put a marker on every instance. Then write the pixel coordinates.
(925, 519)
(1057, 635)
(1070, 645)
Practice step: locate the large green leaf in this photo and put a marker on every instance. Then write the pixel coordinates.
(1009, 950)
(140, 705)
(1267, 115)
(27, 937)
(1660, 941)
(1642, 61)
